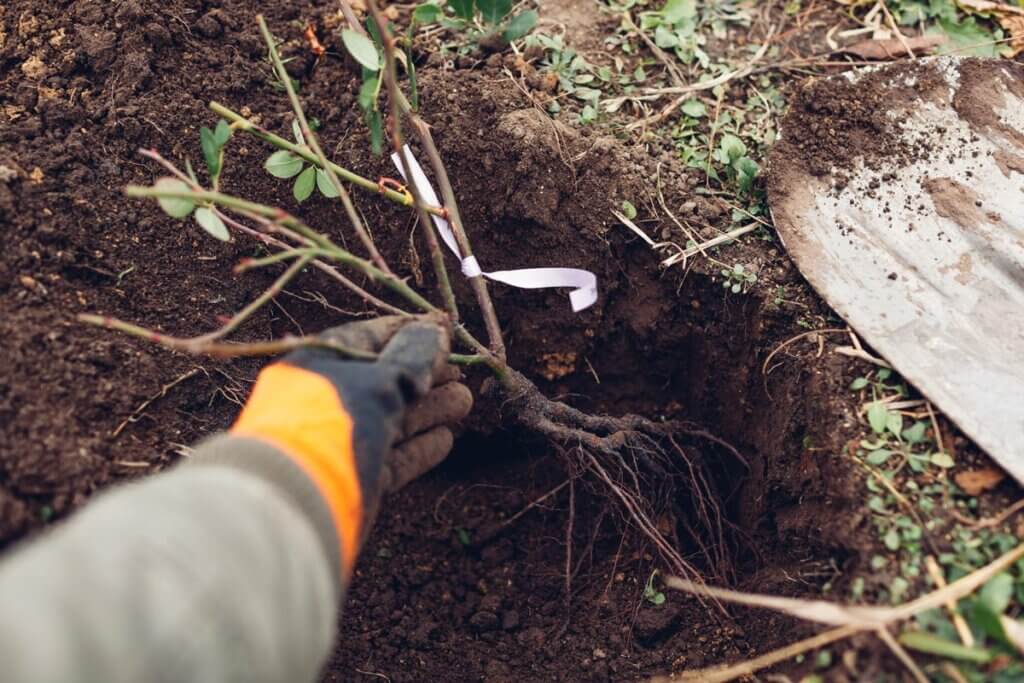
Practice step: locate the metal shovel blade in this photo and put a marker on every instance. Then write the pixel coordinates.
(899, 193)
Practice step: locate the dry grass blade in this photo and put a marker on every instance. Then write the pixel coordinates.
(820, 611)
(850, 619)
(901, 654)
(722, 674)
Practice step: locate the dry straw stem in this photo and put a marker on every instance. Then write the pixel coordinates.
(850, 619)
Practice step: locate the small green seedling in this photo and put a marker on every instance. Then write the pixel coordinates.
(212, 143)
(284, 164)
(737, 279)
(576, 76)
(479, 19)
(652, 594)
(675, 29)
(628, 210)
(740, 168)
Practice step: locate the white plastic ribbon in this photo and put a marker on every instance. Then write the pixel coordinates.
(582, 282)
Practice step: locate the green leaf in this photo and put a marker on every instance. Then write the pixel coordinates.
(892, 539)
(941, 460)
(657, 598)
(997, 593)
(915, 432)
(968, 37)
(368, 93)
(520, 25)
(732, 148)
(665, 38)
(878, 457)
(211, 151)
(746, 172)
(427, 13)
(932, 644)
(676, 10)
(987, 620)
(324, 184)
(859, 383)
(494, 11)
(878, 416)
(211, 223)
(898, 589)
(894, 423)
(283, 164)
(361, 48)
(304, 184)
(628, 210)
(172, 206)
(694, 108)
(222, 133)
(463, 8)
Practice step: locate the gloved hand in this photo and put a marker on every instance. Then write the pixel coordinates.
(358, 428)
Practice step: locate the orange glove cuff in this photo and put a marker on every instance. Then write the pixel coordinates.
(300, 413)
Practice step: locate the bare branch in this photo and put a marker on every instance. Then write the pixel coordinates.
(222, 349)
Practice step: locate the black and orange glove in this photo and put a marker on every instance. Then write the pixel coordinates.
(359, 429)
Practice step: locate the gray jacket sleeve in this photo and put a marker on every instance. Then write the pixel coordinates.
(223, 569)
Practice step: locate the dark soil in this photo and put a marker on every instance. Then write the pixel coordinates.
(445, 590)
(835, 123)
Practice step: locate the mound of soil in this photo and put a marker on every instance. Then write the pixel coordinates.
(466, 573)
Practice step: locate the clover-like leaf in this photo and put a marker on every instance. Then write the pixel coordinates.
(222, 133)
(211, 150)
(361, 48)
(878, 417)
(176, 207)
(304, 184)
(324, 184)
(211, 223)
(283, 164)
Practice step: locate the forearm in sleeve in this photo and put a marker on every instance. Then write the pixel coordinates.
(224, 569)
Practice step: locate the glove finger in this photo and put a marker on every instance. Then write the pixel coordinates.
(444, 405)
(417, 351)
(449, 373)
(415, 457)
(366, 335)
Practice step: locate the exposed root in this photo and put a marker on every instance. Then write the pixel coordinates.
(643, 467)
